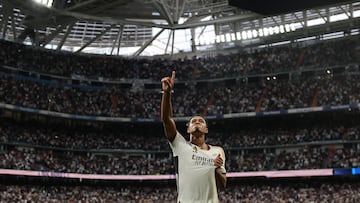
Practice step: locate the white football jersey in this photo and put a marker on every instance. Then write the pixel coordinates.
(195, 171)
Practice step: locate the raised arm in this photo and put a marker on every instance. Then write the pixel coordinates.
(166, 107)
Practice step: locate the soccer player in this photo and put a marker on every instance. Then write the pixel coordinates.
(200, 167)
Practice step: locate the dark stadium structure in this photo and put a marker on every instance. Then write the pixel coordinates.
(182, 26)
(278, 84)
(276, 7)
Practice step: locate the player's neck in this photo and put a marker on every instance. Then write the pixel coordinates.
(204, 146)
(200, 142)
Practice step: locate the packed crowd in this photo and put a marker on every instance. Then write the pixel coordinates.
(267, 60)
(322, 192)
(152, 139)
(207, 99)
(146, 151)
(86, 162)
(124, 163)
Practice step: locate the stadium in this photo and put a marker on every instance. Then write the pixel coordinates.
(80, 95)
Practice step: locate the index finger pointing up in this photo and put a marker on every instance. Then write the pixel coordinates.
(173, 75)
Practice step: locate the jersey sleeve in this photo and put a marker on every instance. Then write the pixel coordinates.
(177, 143)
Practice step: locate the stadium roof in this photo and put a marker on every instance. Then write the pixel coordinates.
(111, 24)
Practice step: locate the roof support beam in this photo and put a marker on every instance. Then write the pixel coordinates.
(202, 31)
(176, 10)
(219, 20)
(138, 52)
(164, 12)
(51, 36)
(168, 42)
(348, 14)
(118, 40)
(81, 4)
(325, 18)
(105, 7)
(95, 38)
(69, 27)
(180, 10)
(173, 42)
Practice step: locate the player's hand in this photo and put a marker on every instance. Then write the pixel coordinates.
(168, 82)
(218, 161)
